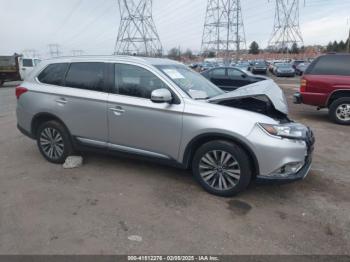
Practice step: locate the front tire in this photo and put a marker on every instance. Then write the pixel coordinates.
(339, 111)
(222, 168)
(54, 142)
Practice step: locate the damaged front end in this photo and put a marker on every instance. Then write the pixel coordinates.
(294, 142)
(264, 97)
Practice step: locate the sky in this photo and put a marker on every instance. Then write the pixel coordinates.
(92, 25)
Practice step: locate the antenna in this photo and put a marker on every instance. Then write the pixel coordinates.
(223, 28)
(137, 32)
(286, 29)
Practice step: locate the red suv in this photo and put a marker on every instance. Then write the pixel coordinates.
(326, 84)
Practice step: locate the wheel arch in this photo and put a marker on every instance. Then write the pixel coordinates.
(341, 93)
(41, 118)
(199, 140)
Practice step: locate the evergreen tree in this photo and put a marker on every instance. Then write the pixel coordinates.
(254, 48)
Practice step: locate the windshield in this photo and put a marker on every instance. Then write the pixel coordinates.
(195, 85)
(284, 65)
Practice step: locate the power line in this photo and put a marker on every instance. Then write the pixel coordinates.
(54, 50)
(77, 52)
(286, 29)
(223, 27)
(137, 32)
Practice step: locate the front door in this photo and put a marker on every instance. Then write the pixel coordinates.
(237, 77)
(136, 124)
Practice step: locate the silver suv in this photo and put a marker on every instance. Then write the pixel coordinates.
(160, 109)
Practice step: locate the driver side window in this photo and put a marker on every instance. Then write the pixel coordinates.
(136, 81)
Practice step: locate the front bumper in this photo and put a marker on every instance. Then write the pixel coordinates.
(304, 171)
(281, 154)
(297, 98)
(285, 74)
(259, 70)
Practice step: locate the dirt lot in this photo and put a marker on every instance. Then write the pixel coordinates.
(120, 206)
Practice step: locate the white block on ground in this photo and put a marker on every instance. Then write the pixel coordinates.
(135, 238)
(73, 162)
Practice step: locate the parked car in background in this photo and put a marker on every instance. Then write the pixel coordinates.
(283, 69)
(259, 67)
(326, 84)
(300, 69)
(208, 65)
(231, 78)
(16, 67)
(273, 64)
(243, 65)
(295, 63)
(162, 110)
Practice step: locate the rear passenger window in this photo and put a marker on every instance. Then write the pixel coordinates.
(331, 65)
(220, 72)
(88, 76)
(136, 81)
(54, 74)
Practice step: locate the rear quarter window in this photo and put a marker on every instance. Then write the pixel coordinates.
(86, 75)
(330, 65)
(54, 74)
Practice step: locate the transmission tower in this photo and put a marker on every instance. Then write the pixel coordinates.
(77, 52)
(286, 29)
(137, 32)
(54, 50)
(223, 27)
(31, 53)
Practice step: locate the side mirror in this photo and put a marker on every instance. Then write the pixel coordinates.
(161, 96)
(244, 75)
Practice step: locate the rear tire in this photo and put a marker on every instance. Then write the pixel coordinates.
(222, 168)
(54, 142)
(339, 111)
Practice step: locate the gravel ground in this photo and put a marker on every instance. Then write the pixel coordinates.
(121, 206)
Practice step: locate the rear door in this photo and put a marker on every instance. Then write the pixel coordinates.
(80, 100)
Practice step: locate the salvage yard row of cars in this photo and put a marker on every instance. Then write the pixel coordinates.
(279, 68)
(161, 110)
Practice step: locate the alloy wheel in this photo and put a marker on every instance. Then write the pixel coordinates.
(220, 170)
(51, 143)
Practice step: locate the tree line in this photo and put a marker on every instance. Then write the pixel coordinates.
(177, 54)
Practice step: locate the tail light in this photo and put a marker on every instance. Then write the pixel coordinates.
(303, 85)
(20, 91)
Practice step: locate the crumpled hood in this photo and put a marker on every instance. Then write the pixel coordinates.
(266, 88)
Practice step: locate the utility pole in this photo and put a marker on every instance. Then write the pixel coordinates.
(137, 33)
(348, 44)
(223, 28)
(54, 50)
(32, 53)
(286, 29)
(348, 47)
